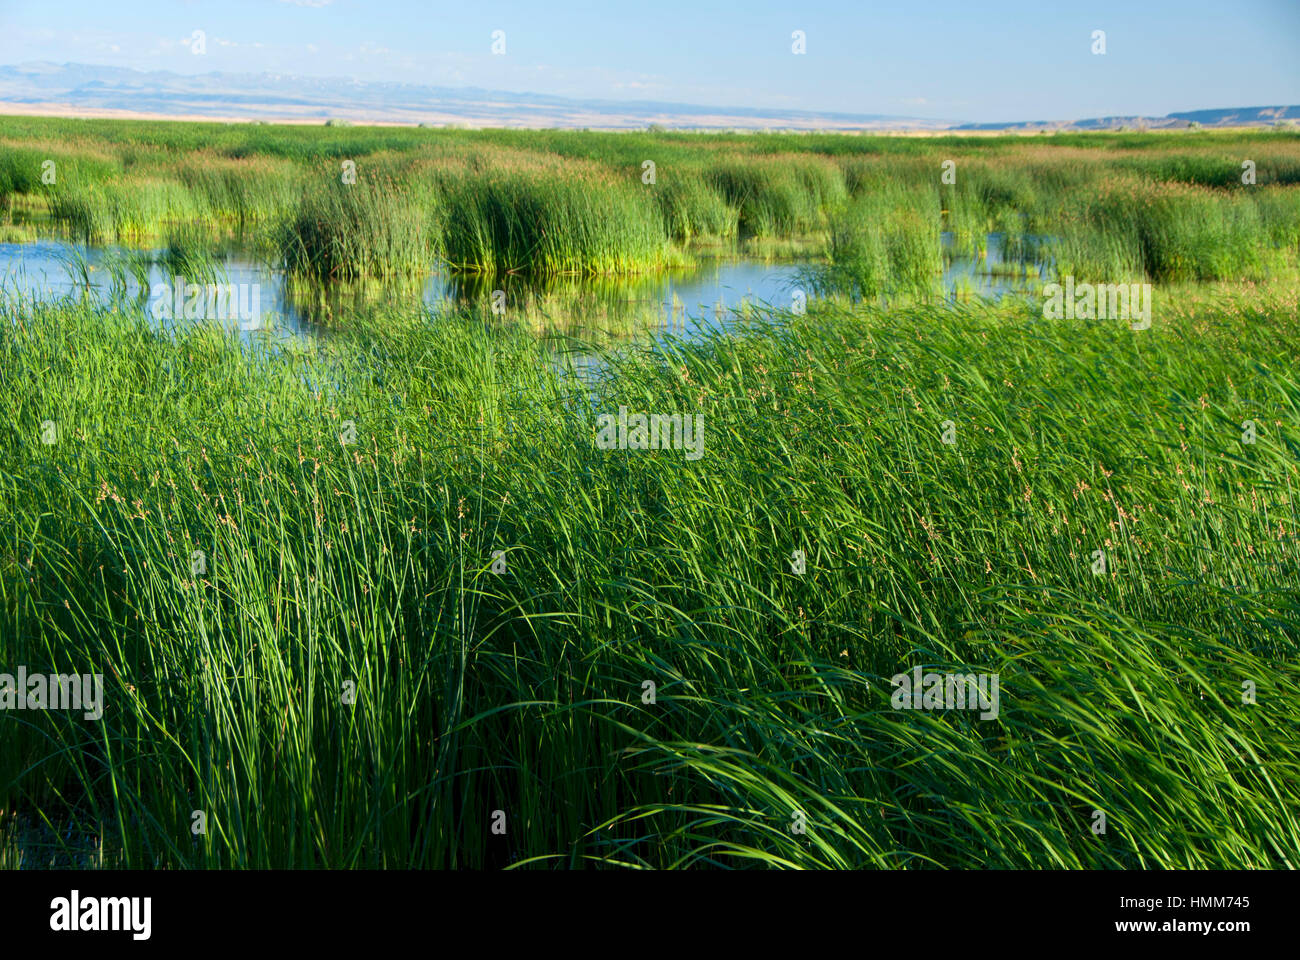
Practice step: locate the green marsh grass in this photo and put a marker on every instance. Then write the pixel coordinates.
(694, 210)
(512, 221)
(347, 231)
(334, 566)
(546, 201)
(882, 244)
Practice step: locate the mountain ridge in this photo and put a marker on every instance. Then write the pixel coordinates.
(72, 89)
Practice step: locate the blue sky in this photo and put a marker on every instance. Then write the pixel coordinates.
(965, 61)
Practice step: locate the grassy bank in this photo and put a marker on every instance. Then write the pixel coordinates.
(346, 682)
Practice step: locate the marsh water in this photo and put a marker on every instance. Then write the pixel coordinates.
(684, 301)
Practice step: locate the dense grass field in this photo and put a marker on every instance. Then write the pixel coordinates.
(332, 564)
(383, 599)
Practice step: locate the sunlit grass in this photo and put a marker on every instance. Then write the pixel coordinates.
(332, 564)
(555, 202)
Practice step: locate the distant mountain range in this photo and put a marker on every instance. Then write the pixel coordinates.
(76, 89)
(1227, 117)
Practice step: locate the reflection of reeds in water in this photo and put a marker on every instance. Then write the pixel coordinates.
(601, 307)
(332, 304)
(596, 307)
(189, 253)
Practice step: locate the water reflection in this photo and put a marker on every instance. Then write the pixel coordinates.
(685, 302)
